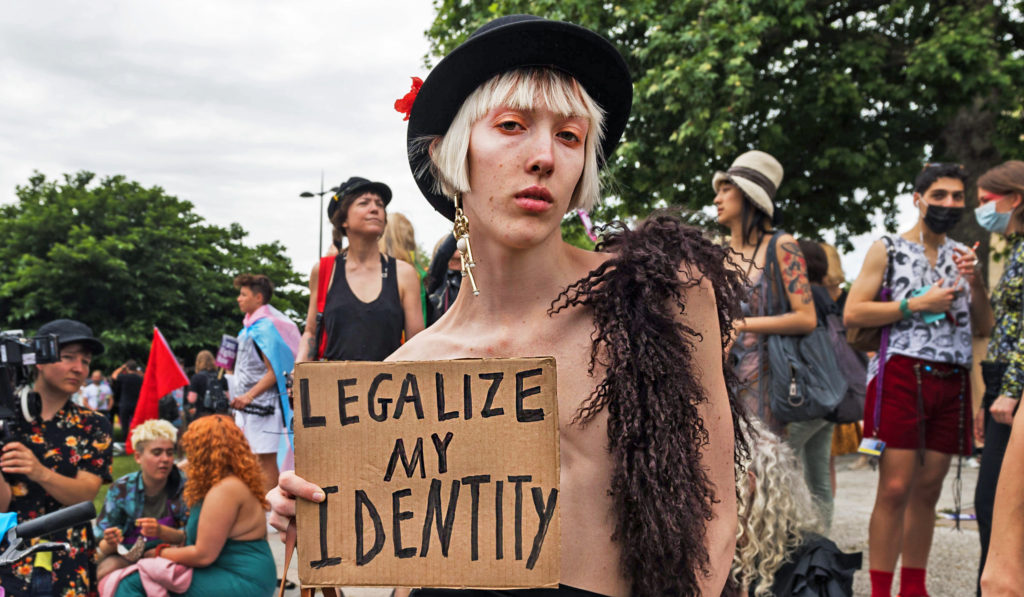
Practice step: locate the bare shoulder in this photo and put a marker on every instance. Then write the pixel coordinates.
(698, 296)
(228, 487)
(407, 275)
(787, 244)
(587, 260)
(428, 345)
(786, 237)
(405, 269)
(876, 257)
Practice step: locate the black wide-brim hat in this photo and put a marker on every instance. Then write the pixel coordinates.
(353, 184)
(505, 44)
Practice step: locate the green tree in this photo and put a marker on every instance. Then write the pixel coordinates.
(123, 258)
(852, 96)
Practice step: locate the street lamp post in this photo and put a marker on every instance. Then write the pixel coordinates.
(307, 194)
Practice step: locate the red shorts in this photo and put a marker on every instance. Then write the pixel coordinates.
(943, 415)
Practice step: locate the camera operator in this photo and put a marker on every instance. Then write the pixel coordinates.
(59, 458)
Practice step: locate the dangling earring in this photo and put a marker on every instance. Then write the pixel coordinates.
(461, 234)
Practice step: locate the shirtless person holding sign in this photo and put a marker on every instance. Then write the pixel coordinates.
(505, 148)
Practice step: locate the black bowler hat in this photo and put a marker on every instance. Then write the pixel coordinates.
(69, 331)
(508, 43)
(352, 185)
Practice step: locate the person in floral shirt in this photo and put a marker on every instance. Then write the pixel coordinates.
(58, 459)
(146, 504)
(1000, 211)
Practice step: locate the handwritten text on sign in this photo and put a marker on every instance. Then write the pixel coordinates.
(437, 473)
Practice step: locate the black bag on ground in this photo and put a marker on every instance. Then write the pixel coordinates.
(805, 380)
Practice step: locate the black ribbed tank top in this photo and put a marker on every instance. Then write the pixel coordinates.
(358, 331)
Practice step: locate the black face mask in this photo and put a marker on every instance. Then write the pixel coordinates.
(941, 220)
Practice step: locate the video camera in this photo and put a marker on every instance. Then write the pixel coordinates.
(17, 355)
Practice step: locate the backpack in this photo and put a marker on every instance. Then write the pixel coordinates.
(852, 365)
(167, 408)
(323, 284)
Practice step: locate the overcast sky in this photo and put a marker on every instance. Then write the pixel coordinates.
(234, 106)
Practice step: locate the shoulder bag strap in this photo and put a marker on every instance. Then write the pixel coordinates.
(323, 284)
(769, 276)
(776, 288)
(885, 294)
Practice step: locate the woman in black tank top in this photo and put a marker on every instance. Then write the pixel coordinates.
(363, 331)
(371, 299)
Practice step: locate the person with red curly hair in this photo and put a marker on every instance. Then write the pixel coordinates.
(226, 533)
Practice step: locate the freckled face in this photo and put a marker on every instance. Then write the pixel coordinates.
(729, 203)
(523, 168)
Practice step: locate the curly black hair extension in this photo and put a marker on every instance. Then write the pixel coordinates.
(663, 497)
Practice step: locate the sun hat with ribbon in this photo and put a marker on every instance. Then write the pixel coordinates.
(758, 175)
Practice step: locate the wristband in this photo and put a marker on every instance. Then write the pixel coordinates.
(905, 308)
(160, 548)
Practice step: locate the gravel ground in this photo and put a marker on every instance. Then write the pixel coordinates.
(954, 558)
(953, 564)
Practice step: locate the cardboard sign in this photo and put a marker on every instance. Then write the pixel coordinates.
(225, 358)
(437, 473)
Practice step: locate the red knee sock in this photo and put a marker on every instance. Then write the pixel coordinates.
(881, 583)
(912, 582)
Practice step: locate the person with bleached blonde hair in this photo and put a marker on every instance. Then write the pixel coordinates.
(507, 135)
(144, 508)
(779, 527)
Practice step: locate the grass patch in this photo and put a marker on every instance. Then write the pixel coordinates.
(123, 465)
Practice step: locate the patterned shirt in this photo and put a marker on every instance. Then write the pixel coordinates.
(1007, 345)
(127, 497)
(944, 341)
(75, 439)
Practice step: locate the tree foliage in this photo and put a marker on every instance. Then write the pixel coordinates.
(852, 96)
(123, 258)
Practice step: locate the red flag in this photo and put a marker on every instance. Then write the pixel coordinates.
(163, 375)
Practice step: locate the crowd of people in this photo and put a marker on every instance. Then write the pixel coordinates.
(696, 352)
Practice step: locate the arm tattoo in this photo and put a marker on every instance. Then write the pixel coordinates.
(794, 272)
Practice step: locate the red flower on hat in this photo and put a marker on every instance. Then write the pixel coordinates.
(404, 104)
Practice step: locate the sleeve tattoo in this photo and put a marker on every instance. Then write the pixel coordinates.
(794, 272)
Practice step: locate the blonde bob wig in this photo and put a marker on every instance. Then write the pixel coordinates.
(519, 89)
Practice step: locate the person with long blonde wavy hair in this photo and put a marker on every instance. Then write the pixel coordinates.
(779, 523)
(399, 241)
(226, 542)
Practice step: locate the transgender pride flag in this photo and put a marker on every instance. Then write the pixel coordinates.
(278, 339)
